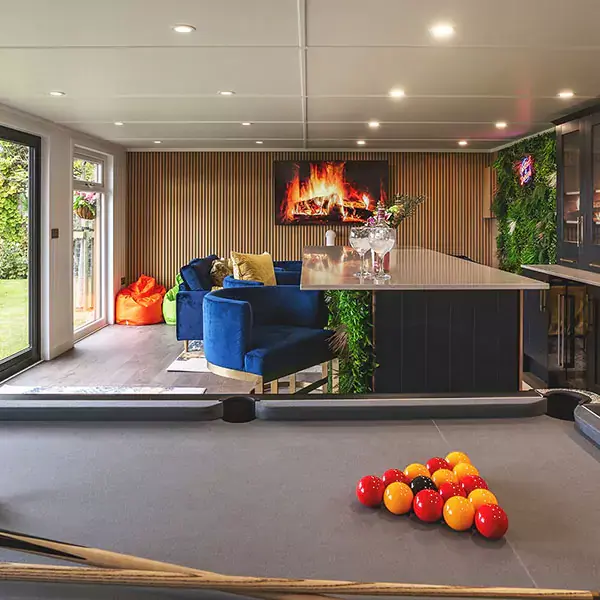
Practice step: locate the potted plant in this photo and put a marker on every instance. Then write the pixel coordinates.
(84, 205)
(401, 207)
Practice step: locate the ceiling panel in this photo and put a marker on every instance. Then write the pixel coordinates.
(408, 131)
(534, 23)
(216, 144)
(153, 131)
(452, 71)
(423, 145)
(73, 111)
(149, 71)
(147, 22)
(464, 110)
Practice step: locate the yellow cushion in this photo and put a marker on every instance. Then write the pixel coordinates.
(254, 267)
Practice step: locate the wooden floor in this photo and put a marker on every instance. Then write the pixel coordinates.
(120, 355)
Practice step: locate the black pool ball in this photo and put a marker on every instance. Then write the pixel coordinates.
(421, 483)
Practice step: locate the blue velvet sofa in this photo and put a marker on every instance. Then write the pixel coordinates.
(197, 283)
(264, 333)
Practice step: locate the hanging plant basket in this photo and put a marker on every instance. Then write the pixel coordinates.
(85, 212)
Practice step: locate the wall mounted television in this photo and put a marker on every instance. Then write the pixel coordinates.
(327, 192)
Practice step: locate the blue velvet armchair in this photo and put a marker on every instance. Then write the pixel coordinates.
(196, 284)
(264, 333)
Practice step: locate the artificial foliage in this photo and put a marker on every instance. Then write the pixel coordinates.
(350, 316)
(526, 214)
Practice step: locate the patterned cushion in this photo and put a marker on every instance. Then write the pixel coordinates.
(254, 267)
(220, 269)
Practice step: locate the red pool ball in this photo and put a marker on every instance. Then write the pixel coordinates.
(436, 463)
(491, 521)
(369, 491)
(393, 475)
(473, 482)
(448, 490)
(428, 506)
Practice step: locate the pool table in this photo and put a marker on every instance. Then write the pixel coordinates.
(277, 498)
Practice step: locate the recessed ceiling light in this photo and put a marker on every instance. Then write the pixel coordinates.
(566, 94)
(501, 125)
(374, 124)
(246, 123)
(157, 142)
(442, 31)
(463, 143)
(57, 93)
(259, 141)
(181, 28)
(397, 93)
(226, 93)
(360, 142)
(119, 123)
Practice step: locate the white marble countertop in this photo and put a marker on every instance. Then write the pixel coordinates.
(579, 275)
(333, 268)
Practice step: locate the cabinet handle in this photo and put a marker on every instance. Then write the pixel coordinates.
(560, 333)
(542, 300)
(581, 218)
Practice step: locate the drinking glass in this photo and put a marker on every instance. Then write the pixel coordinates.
(359, 240)
(381, 240)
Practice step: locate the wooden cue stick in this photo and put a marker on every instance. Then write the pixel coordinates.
(45, 574)
(96, 557)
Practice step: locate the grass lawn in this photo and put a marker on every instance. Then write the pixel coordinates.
(14, 334)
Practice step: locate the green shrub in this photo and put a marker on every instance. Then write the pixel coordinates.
(14, 263)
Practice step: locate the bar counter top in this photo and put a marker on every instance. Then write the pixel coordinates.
(333, 268)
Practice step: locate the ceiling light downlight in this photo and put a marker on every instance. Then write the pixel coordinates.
(463, 143)
(501, 125)
(183, 28)
(157, 142)
(360, 142)
(226, 93)
(246, 123)
(119, 123)
(442, 31)
(374, 124)
(397, 93)
(259, 141)
(57, 93)
(566, 94)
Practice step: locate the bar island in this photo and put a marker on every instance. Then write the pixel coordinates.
(440, 325)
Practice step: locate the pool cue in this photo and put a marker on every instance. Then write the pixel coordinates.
(96, 557)
(92, 575)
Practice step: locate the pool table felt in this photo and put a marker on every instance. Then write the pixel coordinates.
(277, 499)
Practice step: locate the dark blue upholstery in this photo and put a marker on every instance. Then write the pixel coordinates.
(270, 331)
(196, 274)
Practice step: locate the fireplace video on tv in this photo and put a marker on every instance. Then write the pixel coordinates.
(308, 192)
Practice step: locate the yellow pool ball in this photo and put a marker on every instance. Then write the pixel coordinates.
(479, 497)
(443, 476)
(455, 458)
(398, 498)
(415, 469)
(463, 469)
(458, 513)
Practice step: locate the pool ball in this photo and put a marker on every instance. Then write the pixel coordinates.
(443, 476)
(461, 470)
(415, 469)
(436, 463)
(491, 521)
(480, 497)
(428, 506)
(398, 498)
(473, 482)
(458, 513)
(392, 475)
(455, 458)
(369, 491)
(449, 490)
(421, 482)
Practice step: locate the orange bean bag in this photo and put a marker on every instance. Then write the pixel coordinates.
(140, 303)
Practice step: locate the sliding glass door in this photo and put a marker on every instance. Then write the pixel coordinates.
(19, 250)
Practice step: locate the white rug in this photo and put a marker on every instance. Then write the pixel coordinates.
(97, 389)
(192, 361)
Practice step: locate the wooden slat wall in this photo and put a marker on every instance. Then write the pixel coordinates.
(188, 204)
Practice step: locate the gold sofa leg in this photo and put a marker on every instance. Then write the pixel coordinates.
(186, 345)
(293, 383)
(259, 388)
(335, 376)
(275, 386)
(325, 374)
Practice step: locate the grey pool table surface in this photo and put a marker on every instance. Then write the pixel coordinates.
(277, 499)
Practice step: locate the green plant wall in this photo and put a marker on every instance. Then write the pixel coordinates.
(526, 214)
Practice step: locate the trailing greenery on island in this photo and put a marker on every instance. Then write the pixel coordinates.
(526, 213)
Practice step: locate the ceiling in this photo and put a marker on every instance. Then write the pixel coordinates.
(306, 73)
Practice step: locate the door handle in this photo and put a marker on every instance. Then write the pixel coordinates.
(560, 350)
(582, 229)
(542, 300)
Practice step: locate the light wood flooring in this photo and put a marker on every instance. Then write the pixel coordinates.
(120, 355)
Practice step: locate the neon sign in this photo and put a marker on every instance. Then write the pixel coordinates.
(526, 170)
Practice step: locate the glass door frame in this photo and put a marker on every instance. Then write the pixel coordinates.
(25, 358)
(591, 258)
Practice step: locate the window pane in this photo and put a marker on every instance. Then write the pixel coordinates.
(86, 264)
(14, 248)
(85, 170)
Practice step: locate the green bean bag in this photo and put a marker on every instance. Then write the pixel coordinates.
(169, 302)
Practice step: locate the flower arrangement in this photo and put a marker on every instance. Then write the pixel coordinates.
(84, 204)
(401, 207)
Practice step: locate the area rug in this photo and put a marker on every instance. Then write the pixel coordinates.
(192, 361)
(97, 389)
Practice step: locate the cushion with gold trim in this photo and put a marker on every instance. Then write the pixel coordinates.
(254, 267)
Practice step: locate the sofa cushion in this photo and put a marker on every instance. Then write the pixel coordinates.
(255, 267)
(278, 350)
(220, 269)
(196, 274)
